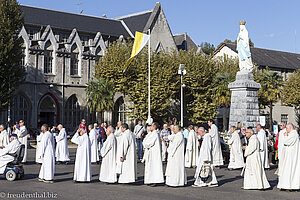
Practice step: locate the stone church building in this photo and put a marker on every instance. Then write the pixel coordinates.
(60, 50)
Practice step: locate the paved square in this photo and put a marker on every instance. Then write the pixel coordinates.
(230, 183)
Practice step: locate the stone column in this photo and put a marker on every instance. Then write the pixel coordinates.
(244, 100)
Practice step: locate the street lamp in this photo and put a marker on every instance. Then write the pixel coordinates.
(181, 72)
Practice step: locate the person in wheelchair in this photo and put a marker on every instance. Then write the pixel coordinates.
(9, 153)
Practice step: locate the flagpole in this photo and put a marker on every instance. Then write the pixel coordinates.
(149, 63)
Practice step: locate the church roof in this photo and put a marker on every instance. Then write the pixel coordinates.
(137, 21)
(69, 21)
(270, 58)
(184, 42)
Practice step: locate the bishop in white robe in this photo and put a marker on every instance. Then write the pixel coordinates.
(22, 136)
(263, 146)
(47, 154)
(205, 156)
(192, 150)
(175, 171)
(94, 145)
(217, 150)
(11, 148)
(289, 170)
(236, 160)
(62, 151)
(153, 157)
(83, 168)
(254, 173)
(127, 156)
(108, 173)
(38, 158)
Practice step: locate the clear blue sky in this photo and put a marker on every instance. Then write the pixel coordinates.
(271, 24)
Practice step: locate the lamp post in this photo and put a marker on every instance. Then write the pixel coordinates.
(181, 72)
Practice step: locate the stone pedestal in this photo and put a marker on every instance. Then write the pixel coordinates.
(244, 100)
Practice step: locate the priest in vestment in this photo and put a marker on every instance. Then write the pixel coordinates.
(175, 171)
(153, 157)
(127, 156)
(94, 144)
(263, 146)
(22, 136)
(5, 152)
(62, 151)
(236, 153)
(289, 170)
(38, 158)
(279, 143)
(192, 150)
(47, 154)
(254, 173)
(118, 134)
(217, 150)
(108, 172)
(83, 168)
(205, 156)
(4, 136)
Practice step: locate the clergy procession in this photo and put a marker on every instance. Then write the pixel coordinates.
(202, 150)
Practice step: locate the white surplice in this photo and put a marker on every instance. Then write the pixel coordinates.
(22, 136)
(192, 150)
(280, 146)
(94, 146)
(108, 172)
(127, 150)
(62, 151)
(289, 171)
(205, 156)
(236, 153)
(47, 154)
(4, 138)
(152, 158)
(217, 150)
(38, 158)
(83, 168)
(254, 174)
(11, 148)
(263, 146)
(175, 171)
(118, 133)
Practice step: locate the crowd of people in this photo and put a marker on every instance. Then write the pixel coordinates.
(119, 150)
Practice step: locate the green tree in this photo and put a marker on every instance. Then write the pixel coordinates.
(291, 93)
(207, 48)
(222, 93)
(100, 95)
(165, 85)
(11, 72)
(269, 93)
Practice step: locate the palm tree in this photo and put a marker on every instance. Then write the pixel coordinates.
(222, 93)
(100, 95)
(269, 93)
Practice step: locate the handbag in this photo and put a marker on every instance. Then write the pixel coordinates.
(205, 172)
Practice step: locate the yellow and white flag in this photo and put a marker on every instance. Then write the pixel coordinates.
(140, 40)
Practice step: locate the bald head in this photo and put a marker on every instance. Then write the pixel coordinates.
(109, 130)
(176, 129)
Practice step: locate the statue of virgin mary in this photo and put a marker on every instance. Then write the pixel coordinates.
(243, 48)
